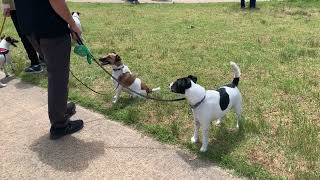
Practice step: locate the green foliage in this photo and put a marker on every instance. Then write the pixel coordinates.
(276, 47)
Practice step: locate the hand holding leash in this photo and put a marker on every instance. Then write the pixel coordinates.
(75, 32)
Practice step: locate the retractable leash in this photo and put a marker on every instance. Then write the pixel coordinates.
(83, 51)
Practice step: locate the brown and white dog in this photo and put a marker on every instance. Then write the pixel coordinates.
(123, 74)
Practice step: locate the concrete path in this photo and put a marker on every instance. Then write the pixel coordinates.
(102, 150)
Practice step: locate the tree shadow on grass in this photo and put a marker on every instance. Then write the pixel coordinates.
(34, 79)
(222, 142)
(125, 110)
(125, 102)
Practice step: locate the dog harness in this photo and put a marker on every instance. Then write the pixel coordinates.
(198, 103)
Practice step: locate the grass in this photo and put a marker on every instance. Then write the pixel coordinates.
(277, 48)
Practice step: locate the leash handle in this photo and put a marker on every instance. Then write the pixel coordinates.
(78, 38)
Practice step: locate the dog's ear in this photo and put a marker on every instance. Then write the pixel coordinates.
(102, 58)
(193, 78)
(182, 85)
(72, 13)
(104, 61)
(8, 39)
(118, 58)
(78, 13)
(2, 37)
(14, 40)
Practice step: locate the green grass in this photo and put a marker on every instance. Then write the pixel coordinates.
(276, 47)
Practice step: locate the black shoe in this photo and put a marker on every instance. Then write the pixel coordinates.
(33, 69)
(71, 110)
(72, 127)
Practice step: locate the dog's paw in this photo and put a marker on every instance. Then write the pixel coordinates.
(218, 122)
(114, 100)
(203, 148)
(2, 85)
(194, 140)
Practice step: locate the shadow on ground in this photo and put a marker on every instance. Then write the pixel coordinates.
(67, 154)
(193, 160)
(22, 85)
(222, 142)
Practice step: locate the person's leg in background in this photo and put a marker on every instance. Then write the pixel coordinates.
(243, 4)
(35, 66)
(56, 52)
(252, 4)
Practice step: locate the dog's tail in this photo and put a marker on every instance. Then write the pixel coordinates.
(237, 73)
(156, 89)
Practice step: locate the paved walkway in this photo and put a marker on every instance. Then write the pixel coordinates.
(102, 150)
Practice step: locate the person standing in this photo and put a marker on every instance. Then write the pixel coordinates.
(252, 4)
(243, 4)
(9, 10)
(47, 24)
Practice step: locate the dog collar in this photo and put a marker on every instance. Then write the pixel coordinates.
(117, 69)
(198, 103)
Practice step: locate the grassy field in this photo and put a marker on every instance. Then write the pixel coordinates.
(276, 47)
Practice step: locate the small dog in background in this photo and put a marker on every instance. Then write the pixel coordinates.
(5, 57)
(76, 18)
(209, 105)
(123, 74)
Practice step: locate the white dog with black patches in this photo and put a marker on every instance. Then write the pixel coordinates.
(5, 58)
(76, 18)
(211, 104)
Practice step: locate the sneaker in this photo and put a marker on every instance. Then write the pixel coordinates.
(71, 110)
(34, 69)
(72, 127)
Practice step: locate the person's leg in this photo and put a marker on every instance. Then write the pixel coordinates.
(243, 3)
(56, 52)
(252, 4)
(32, 54)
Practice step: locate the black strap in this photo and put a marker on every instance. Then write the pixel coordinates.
(198, 103)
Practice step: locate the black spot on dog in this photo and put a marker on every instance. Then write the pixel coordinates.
(224, 98)
(193, 78)
(234, 83)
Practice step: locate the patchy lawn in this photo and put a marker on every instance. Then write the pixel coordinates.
(276, 47)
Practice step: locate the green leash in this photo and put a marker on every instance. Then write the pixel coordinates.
(83, 51)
